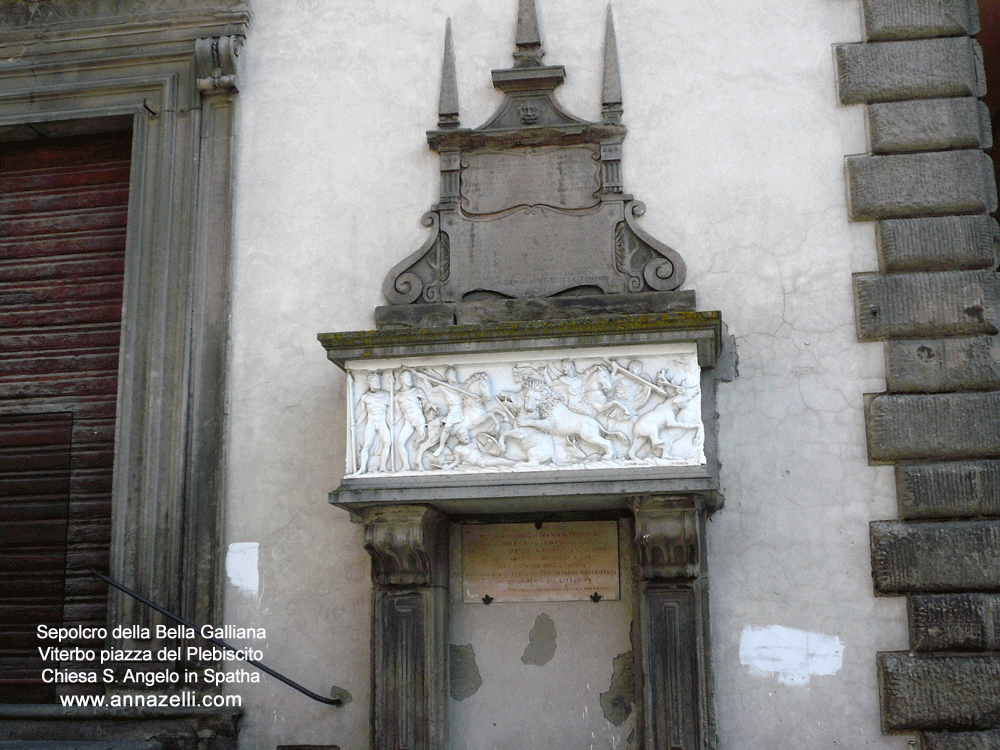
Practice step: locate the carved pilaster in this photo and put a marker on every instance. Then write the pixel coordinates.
(667, 538)
(218, 63)
(408, 545)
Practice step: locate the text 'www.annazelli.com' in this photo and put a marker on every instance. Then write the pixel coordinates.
(184, 699)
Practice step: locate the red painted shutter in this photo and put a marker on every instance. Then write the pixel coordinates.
(63, 207)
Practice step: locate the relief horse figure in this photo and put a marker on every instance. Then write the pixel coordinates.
(559, 420)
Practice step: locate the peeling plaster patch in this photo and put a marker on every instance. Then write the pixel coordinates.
(616, 703)
(541, 642)
(791, 655)
(241, 566)
(464, 672)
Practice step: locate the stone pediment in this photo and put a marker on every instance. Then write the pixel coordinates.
(532, 203)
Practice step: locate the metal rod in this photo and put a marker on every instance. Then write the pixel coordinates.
(219, 642)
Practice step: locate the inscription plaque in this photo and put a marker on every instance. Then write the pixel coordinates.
(568, 178)
(560, 562)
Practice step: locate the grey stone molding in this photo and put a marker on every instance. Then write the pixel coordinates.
(408, 545)
(668, 537)
(954, 622)
(930, 188)
(920, 69)
(170, 729)
(935, 556)
(938, 427)
(88, 67)
(929, 125)
(959, 489)
(923, 692)
(888, 20)
(927, 305)
(945, 243)
(929, 184)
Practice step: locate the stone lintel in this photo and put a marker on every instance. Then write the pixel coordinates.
(927, 305)
(936, 183)
(954, 622)
(945, 426)
(929, 125)
(942, 365)
(948, 490)
(920, 69)
(960, 740)
(891, 20)
(935, 557)
(938, 692)
(702, 328)
(944, 243)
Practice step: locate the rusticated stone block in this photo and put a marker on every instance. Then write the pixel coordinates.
(950, 490)
(887, 20)
(960, 741)
(929, 125)
(908, 305)
(931, 184)
(935, 557)
(939, 692)
(940, 426)
(921, 69)
(942, 243)
(954, 622)
(940, 365)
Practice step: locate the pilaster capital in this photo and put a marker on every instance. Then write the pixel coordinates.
(408, 545)
(218, 63)
(667, 537)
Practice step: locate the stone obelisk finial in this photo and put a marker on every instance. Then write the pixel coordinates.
(528, 51)
(448, 101)
(611, 88)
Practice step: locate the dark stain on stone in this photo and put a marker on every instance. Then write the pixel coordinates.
(925, 353)
(616, 703)
(541, 642)
(465, 679)
(975, 311)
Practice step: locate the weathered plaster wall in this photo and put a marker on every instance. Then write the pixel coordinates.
(736, 145)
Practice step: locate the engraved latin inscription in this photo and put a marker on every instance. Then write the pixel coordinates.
(518, 562)
(494, 181)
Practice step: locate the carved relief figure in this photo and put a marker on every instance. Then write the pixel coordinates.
(374, 406)
(557, 419)
(410, 402)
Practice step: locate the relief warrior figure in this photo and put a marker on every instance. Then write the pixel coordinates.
(677, 412)
(467, 453)
(558, 420)
(410, 401)
(374, 406)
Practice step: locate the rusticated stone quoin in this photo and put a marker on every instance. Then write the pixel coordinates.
(929, 125)
(935, 557)
(960, 741)
(954, 622)
(887, 20)
(943, 243)
(934, 426)
(950, 490)
(907, 305)
(921, 69)
(941, 365)
(939, 692)
(930, 184)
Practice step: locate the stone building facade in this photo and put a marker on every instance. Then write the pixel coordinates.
(818, 168)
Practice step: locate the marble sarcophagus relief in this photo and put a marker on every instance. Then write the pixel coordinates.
(634, 407)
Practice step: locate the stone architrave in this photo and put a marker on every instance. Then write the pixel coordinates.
(527, 411)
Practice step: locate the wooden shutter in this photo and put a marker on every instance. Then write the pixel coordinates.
(63, 208)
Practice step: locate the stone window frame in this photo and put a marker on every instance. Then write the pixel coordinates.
(169, 76)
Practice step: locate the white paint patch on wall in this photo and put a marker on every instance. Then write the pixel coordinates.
(241, 566)
(793, 656)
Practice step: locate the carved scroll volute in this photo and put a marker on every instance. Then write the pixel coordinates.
(667, 540)
(408, 545)
(218, 61)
